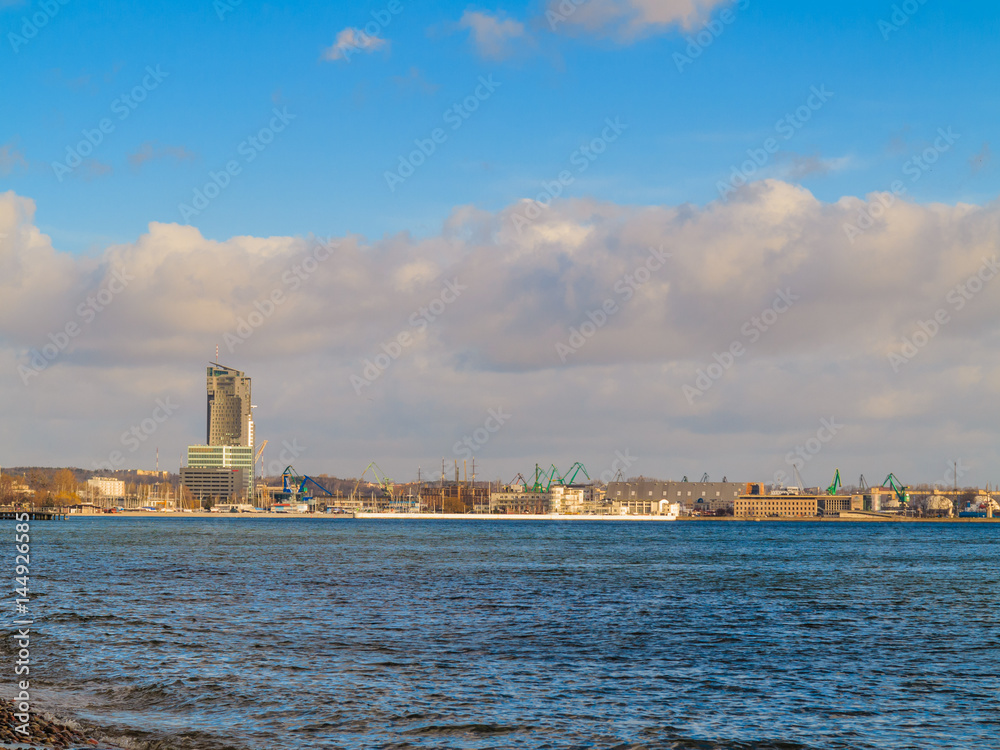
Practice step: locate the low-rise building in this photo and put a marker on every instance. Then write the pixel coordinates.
(518, 501)
(218, 484)
(568, 499)
(225, 457)
(645, 497)
(776, 506)
(833, 505)
(106, 488)
(451, 497)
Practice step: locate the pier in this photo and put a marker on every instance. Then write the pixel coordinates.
(33, 515)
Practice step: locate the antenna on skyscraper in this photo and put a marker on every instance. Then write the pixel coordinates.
(216, 353)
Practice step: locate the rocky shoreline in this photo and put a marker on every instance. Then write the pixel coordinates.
(43, 732)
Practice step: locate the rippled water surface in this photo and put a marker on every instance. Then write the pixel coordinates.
(246, 633)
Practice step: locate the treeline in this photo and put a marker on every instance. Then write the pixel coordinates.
(64, 486)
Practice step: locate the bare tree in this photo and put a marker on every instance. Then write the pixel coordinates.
(8, 495)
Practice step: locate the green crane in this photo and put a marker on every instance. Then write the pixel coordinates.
(544, 479)
(540, 477)
(384, 483)
(576, 469)
(552, 476)
(893, 482)
(832, 489)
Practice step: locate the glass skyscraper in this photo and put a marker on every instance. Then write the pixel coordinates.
(229, 426)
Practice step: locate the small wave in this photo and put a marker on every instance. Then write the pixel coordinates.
(142, 696)
(144, 741)
(482, 730)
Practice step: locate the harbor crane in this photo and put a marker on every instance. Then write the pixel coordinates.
(294, 487)
(257, 458)
(893, 483)
(380, 478)
(798, 478)
(545, 479)
(575, 469)
(552, 476)
(537, 486)
(519, 479)
(832, 489)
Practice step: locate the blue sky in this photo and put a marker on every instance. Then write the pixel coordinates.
(646, 117)
(355, 117)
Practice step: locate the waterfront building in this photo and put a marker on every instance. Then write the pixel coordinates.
(219, 484)
(646, 496)
(224, 457)
(833, 505)
(230, 418)
(776, 506)
(450, 497)
(229, 429)
(568, 499)
(518, 501)
(106, 488)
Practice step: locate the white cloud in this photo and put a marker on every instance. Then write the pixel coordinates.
(495, 345)
(494, 35)
(351, 41)
(627, 20)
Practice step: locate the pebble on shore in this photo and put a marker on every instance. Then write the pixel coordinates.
(42, 734)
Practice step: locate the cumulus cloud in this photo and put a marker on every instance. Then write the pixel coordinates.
(494, 36)
(628, 20)
(351, 41)
(651, 294)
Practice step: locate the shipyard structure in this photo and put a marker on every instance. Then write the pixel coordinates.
(554, 495)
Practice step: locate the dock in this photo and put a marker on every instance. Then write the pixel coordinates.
(33, 515)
